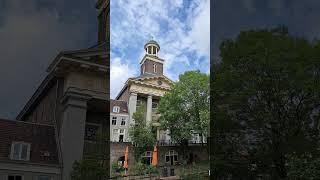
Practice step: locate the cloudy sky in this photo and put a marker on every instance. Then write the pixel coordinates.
(33, 32)
(31, 35)
(181, 27)
(232, 16)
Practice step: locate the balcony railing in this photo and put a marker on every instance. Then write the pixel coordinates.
(172, 143)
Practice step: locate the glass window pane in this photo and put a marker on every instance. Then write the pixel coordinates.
(175, 158)
(167, 158)
(16, 151)
(24, 151)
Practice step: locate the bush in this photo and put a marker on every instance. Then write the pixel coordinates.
(116, 168)
(88, 170)
(143, 169)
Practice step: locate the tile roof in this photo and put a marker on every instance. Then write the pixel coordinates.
(122, 104)
(43, 149)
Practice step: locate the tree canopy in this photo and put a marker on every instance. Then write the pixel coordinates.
(265, 103)
(185, 107)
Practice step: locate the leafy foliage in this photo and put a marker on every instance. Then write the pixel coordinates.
(303, 167)
(141, 135)
(88, 169)
(143, 169)
(94, 164)
(266, 102)
(186, 106)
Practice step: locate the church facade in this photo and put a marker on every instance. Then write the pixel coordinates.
(145, 91)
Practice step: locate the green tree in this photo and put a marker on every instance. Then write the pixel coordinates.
(266, 96)
(186, 107)
(303, 167)
(140, 134)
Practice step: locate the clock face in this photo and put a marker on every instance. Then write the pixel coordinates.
(159, 82)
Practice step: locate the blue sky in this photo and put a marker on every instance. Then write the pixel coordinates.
(181, 27)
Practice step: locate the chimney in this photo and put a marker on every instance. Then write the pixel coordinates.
(103, 20)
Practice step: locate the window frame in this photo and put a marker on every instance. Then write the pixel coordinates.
(154, 68)
(116, 109)
(114, 119)
(123, 122)
(22, 176)
(20, 143)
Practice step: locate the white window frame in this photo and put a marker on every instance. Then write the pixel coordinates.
(155, 68)
(115, 135)
(123, 120)
(116, 109)
(170, 154)
(145, 155)
(114, 118)
(20, 150)
(121, 133)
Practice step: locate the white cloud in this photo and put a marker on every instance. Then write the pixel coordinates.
(183, 33)
(119, 73)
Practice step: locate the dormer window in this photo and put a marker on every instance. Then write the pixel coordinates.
(20, 151)
(116, 109)
(154, 68)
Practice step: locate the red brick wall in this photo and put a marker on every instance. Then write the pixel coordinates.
(149, 67)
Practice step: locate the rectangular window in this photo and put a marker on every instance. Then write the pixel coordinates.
(167, 159)
(114, 120)
(121, 131)
(123, 122)
(115, 135)
(175, 157)
(20, 151)
(14, 177)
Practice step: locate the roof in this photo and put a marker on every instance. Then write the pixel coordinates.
(149, 75)
(41, 137)
(152, 42)
(122, 104)
(142, 76)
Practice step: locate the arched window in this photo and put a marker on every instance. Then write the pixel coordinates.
(154, 68)
(146, 157)
(116, 109)
(171, 157)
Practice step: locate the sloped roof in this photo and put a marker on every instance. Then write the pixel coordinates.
(41, 137)
(148, 75)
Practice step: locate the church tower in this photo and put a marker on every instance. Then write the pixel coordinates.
(103, 7)
(151, 64)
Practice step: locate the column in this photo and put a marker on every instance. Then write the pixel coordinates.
(132, 105)
(72, 131)
(149, 110)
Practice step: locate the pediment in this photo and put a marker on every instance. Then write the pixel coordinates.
(155, 81)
